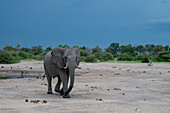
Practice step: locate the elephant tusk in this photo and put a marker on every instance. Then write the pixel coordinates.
(79, 67)
(65, 67)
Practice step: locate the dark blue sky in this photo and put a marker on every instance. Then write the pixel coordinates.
(84, 22)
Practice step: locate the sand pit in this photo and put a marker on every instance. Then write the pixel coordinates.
(99, 88)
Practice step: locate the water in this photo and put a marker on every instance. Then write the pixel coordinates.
(26, 76)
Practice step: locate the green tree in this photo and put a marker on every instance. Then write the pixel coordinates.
(114, 48)
(25, 49)
(126, 48)
(167, 48)
(37, 49)
(149, 48)
(96, 49)
(64, 46)
(8, 48)
(140, 49)
(158, 48)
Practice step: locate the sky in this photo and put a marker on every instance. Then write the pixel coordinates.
(84, 22)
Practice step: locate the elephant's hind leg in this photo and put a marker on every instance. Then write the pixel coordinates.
(49, 84)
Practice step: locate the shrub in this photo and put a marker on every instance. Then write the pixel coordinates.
(102, 56)
(144, 58)
(91, 58)
(39, 57)
(163, 56)
(84, 53)
(82, 59)
(9, 57)
(125, 57)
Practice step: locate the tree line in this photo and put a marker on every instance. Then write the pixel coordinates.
(115, 52)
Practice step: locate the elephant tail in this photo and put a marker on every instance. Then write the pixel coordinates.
(43, 77)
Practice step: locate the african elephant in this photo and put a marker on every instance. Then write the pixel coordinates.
(61, 63)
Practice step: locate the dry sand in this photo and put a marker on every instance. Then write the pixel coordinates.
(98, 88)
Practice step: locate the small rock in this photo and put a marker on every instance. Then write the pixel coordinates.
(26, 100)
(100, 74)
(11, 67)
(128, 69)
(30, 67)
(2, 66)
(137, 87)
(168, 71)
(144, 99)
(122, 93)
(160, 73)
(117, 89)
(117, 73)
(114, 67)
(144, 71)
(108, 89)
(99, 99)
(86, 85)
(119, 68)
(44, 101)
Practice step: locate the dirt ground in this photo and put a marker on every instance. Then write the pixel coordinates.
(98, 88)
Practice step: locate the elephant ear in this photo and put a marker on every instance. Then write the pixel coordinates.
(57, 56)
(77, 55)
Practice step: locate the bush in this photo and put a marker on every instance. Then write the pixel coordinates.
(39, 57)
(84, 53)
(144, 58)
(91, 58)
(9, 57)
(163, 56)
(102, 56)
(82, 59)
(125, 57)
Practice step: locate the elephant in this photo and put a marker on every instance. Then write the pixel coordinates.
(61, 63)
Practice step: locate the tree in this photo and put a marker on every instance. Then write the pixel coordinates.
(37, 49)
(140, 49)
(75, 46)
(8, 48)
(158, 48)
(149, 48)
(48, 49)
(114, 47)
(85, 49)
(25, 49)
(108, 50)
(126, 49)
(167, 48)
(96, 49)
(17, 47)
(64, 46)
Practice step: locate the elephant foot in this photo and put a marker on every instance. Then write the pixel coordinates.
(59, 91)
(49, 92)
(66, 96)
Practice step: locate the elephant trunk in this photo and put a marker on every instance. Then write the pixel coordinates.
(71, 74)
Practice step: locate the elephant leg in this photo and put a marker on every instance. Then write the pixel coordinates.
(64, 80)
(49, 84)
(57, 87)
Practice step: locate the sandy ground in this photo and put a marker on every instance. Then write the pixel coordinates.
(99, 88)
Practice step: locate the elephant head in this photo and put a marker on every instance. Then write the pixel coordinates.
(67, 59)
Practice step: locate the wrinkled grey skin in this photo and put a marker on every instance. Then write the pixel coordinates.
(54, 64)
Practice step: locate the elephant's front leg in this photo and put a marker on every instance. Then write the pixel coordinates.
(57, 87)
(64, 79)
(49, 84)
